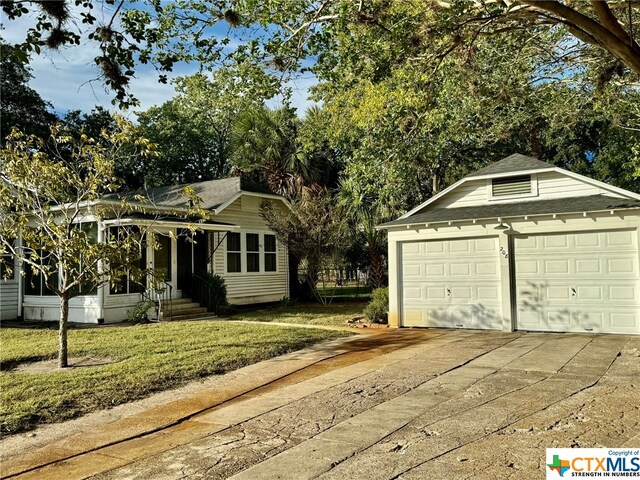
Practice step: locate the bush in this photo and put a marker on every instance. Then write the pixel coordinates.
(287, 302)
(217, 301)
(378, 308)
(139, 312)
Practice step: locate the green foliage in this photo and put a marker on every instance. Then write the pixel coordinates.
(218, 293)
(287, 302)
(193, 130)
(313, 232)
(138, 313)
(21, 106)
(377, 310)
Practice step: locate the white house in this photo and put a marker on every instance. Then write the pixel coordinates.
(237, 245)
(519, 245)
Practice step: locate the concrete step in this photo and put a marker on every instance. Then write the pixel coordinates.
(178, 301)
(184, 305)
(191, 316)
(185, 311)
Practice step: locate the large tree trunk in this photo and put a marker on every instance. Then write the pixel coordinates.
(62, 332)
(376, 268)
(294, 283)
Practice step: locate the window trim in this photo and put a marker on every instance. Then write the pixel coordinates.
(243, 253)
(532, 193)
(227, 252)
(265, 252)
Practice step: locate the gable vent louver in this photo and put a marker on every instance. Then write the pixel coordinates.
(502, 187)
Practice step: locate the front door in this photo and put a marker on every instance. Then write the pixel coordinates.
(162, 257)
(192, 257)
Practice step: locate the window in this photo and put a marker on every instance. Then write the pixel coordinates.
(269, 253)
(253, 252)
(128, 284)
(502, 187)
(34, 282)
(234, 253)
(6, 265)
(90, 229)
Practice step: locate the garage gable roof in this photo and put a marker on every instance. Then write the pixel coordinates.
(520, 209)
(514, 165)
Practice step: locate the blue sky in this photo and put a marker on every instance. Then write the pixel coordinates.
(64, 77)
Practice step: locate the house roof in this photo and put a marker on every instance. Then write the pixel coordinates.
(213, 193)
(518, 209)
(513, 163)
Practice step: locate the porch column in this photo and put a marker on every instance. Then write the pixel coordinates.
(17, 266)
(101, 239)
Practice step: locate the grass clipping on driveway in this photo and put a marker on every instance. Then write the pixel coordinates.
(148, 358)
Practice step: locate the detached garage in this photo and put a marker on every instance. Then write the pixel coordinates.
(519, 245)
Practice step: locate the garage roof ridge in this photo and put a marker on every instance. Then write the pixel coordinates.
(514, 165)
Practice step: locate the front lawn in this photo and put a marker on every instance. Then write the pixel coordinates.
(148, 358)
(307, 313)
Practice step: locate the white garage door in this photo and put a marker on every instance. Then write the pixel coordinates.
(578, 282)
(451, 283)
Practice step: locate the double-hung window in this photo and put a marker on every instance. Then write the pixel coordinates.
(234, 253)
(253, 252)
(129, 283)
(270, 253)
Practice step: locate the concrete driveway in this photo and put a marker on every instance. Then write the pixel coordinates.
(445, 404)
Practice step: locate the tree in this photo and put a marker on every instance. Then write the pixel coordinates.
(314, 234)
(276, 37)
(193, 130)
(49, 201)
(265, 143)
(21, 107)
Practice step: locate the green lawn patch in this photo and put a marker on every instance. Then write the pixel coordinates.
(308, 314)
(148, 358)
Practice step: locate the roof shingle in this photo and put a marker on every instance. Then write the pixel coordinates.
(517, 209)
(513, 163)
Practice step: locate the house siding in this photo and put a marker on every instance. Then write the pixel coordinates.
(551, 185)
(246, 288)
(8, 299)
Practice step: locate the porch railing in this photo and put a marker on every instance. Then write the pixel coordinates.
(160, 294)
(203, 291)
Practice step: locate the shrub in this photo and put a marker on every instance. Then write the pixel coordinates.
(139, 312)
(287, 302)
(378, 308)
(217, 301)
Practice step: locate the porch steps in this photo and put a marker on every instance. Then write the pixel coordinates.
(185, 309)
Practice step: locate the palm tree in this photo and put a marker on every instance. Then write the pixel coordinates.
(365, 213)
(265, 144)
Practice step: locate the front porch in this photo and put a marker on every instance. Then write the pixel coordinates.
(180, 262)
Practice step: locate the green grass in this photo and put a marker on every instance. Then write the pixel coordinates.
(149, 358)
(308, 314)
